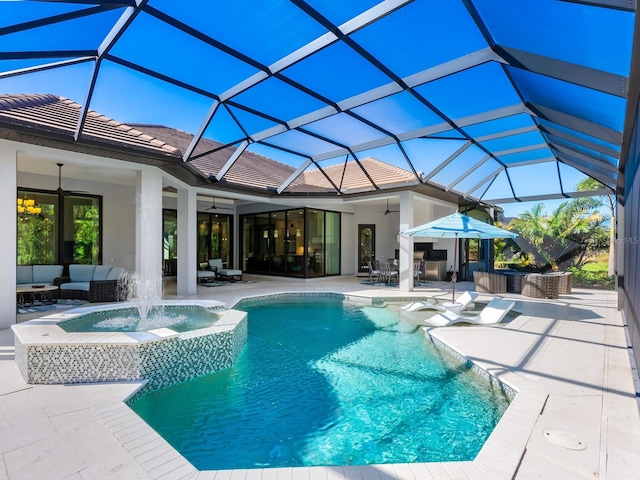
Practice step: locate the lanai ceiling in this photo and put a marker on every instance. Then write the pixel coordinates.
(494, 100)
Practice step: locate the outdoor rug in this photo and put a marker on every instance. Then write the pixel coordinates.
(374, 283)
(62, 304)
(222, 283)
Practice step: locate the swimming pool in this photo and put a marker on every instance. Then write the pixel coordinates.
(326, 382)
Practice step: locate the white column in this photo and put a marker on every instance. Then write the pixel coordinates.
(149, 229)
(238, 261)
(406, 242)
(187, 241)
(8, 259)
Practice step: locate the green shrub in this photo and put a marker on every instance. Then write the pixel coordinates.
(589, 279)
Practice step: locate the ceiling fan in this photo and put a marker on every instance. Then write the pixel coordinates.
(214, 207)
(387, 211)
(65, 192)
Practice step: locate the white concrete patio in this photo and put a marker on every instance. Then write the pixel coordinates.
(568, 358)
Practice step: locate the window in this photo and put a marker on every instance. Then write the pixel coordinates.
(58, 229)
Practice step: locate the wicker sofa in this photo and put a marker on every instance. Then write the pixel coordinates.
(487, 282)
(537, 285)
(96, 283)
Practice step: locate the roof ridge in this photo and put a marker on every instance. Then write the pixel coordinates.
(9, 101)
(27, 103)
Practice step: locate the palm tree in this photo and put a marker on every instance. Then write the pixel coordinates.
(589, 184)
(565, 237)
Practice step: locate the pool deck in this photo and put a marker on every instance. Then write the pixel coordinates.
(568, 358)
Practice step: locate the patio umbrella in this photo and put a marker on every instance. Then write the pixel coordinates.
(457, 226)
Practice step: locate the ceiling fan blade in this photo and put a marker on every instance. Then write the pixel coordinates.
(63, 192)
(387, 211)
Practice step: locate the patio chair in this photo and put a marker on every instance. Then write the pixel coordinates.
(487, 282)
(493, 313)
(465, 301)
(417, 270)
(373, 272)
(537, 285)
(215, 264)
(565, 281)
(386, 273)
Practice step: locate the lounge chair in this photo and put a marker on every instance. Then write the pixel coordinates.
(493, 313)
(215, 264)
(465, 300)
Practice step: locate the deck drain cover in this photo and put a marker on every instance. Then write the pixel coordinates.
(564, 439)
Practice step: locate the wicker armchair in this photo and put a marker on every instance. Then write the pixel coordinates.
(487, 282)
(536, 285)
(565, 281)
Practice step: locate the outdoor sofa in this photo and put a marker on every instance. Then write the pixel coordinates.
(29, 275)
(96, 283)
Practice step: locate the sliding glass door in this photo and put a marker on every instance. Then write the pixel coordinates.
(294, 243)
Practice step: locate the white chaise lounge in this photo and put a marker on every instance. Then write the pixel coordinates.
(215, 264)
(462, 303)
(493, 313)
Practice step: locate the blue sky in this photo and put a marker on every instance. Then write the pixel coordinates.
(339, 72)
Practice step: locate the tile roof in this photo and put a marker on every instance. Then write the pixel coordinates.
(60, 115)
(249, 170)
(350, 177)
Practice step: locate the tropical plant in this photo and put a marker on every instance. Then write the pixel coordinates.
(565, 238)
(589, 184)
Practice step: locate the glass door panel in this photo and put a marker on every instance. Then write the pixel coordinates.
(37, 228)
(366, 247)
(278, 243)
(263, 235)
(295, 243)
(315, 249)
(81, 230)
(169, 242)
(332, 244)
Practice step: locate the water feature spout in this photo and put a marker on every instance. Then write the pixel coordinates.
(145, 294)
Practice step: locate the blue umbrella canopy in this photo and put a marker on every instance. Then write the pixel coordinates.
(458, 225)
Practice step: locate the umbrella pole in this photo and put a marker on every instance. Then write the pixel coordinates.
(453, 276)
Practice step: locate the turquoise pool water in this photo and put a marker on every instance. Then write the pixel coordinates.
(322, 382)
(180, 318)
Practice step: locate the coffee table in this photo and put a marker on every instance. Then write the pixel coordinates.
(36, 295)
